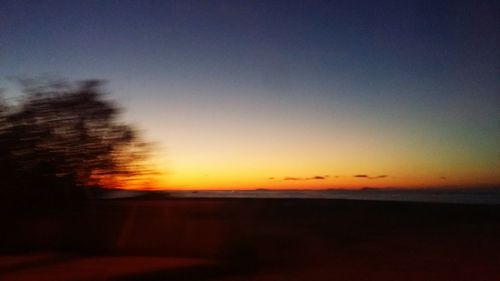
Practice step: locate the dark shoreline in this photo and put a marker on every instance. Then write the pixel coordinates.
(287, 239)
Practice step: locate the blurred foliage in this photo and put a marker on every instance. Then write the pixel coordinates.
(63, 137)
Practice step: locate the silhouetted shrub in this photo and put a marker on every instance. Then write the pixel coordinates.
(63, 138)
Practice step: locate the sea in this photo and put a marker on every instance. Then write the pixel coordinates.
(460, 196)
(488, 196)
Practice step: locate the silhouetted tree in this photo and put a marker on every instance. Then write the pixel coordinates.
(64, 137)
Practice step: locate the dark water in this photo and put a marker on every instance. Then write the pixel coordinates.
(467, 196)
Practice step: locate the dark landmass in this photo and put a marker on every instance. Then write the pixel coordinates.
(252, 239)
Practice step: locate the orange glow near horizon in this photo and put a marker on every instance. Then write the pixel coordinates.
(241, 142)
(215, 176)
(269, 157)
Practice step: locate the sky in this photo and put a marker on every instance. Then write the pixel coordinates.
(283, 94)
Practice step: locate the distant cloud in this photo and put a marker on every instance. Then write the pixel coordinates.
(318, 177)
(305, 179)
(369, 177)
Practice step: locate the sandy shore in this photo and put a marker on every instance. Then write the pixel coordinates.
(258, 239)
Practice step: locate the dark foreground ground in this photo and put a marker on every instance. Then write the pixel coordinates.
(252, 239)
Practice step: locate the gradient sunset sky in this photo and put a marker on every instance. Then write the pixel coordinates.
(283, 94)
